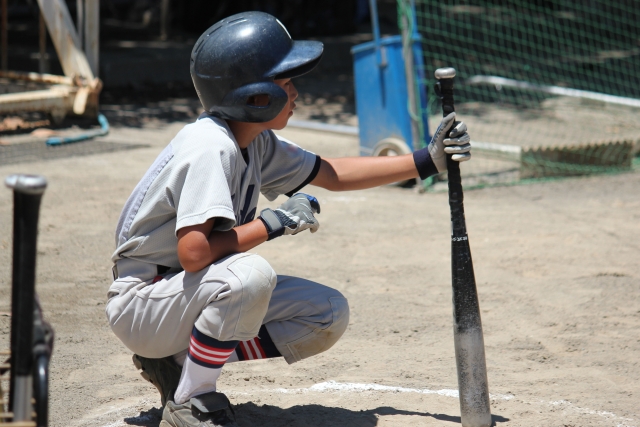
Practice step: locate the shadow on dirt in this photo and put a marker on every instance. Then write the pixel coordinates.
(250, 414)
(322, 416)
(150, 418)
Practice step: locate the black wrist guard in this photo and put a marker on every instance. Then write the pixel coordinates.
(424, 163)
(275, 222)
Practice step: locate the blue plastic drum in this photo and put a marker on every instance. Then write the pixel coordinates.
(382, 100)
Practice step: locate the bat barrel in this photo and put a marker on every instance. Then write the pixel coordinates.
(473, 384)
(27, 194)
(475, 404)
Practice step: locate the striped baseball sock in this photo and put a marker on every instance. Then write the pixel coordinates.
(260, 347)
(202, 366)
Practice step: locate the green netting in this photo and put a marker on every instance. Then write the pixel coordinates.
(548, 88)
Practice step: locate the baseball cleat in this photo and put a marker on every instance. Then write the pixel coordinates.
(207, 410)
(163, 373)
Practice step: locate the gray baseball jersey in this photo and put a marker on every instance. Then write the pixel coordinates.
(204, 174)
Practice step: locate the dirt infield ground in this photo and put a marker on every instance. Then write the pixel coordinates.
(557, 271)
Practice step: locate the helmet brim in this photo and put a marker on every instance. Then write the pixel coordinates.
(303, 57)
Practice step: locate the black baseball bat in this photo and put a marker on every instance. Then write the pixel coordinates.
(27, 194)
(473, 386)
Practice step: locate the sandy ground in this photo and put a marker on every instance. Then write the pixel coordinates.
(556, 267)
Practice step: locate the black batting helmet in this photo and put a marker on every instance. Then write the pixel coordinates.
(240, 57)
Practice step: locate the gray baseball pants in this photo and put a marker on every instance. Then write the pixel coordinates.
(228, 300)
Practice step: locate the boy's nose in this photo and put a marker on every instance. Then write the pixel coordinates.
(293, 92)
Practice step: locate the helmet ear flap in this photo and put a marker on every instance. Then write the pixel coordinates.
(238, 99)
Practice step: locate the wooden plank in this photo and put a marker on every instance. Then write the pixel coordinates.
(92, 34)
(65, 39)
(18, 424)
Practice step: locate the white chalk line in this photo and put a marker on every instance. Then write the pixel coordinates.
(331, 386)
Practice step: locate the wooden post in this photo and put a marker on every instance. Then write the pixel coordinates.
(5, 42)
(164, 19)
(65, 38)
(80, 20)
(92, 34)
(410, 74)
(43, 64)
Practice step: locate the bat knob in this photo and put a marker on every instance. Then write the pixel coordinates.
(445, 73)
(30, 184)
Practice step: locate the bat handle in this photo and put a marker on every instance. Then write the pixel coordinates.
(444, 89)
(27, 194)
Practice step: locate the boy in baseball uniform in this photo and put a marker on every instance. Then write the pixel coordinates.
(187, 295)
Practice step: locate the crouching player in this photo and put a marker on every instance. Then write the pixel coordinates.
(187, 295)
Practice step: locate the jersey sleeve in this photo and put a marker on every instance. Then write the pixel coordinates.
(286, 167)
(204, 175)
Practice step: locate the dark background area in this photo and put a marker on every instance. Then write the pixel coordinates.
(146, 73)
(127, 25)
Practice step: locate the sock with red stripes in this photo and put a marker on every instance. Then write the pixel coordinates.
(202, 366)
(260, 347)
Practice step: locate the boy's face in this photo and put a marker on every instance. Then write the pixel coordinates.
(283, 117)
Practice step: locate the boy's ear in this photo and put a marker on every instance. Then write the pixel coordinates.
(236, 104)
(261, 100)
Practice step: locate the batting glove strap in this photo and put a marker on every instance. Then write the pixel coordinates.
(276, 222)
(424, 163)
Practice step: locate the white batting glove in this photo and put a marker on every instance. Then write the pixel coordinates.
(457, 143)
(292, 217)
(432, 159)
